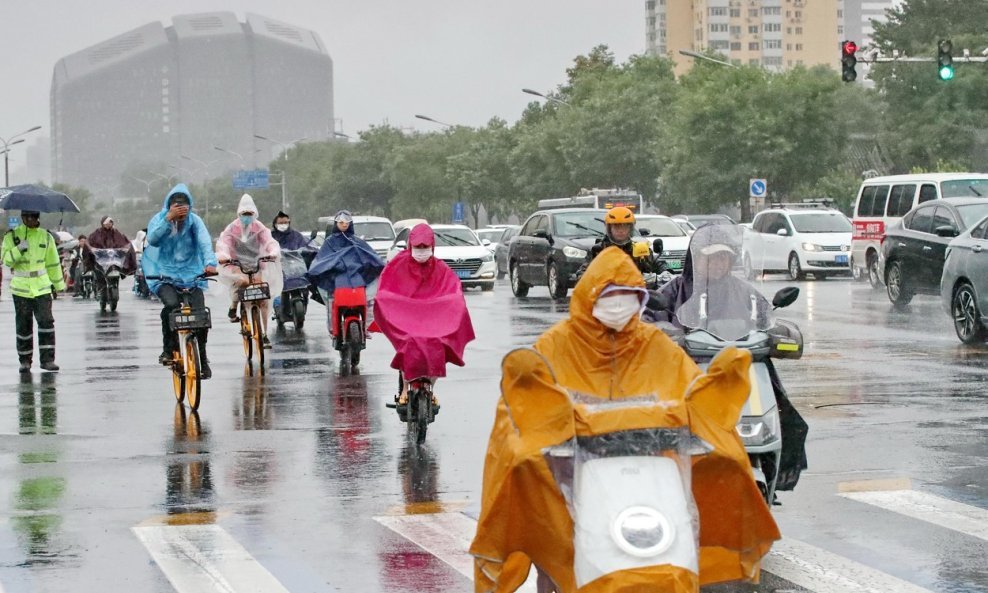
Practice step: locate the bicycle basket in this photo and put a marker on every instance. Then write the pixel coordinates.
(255, 292)
(197, 319)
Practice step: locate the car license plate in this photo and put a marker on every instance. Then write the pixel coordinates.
(463, 273)
(841, 259)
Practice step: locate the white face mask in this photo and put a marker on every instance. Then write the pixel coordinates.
(421, 255)
(281, 227)
(616, 311)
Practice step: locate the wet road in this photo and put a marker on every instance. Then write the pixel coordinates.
(304, 481)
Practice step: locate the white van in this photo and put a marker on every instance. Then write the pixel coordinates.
(883, 201)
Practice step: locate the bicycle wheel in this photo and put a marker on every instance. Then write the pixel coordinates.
(255, 318)
(193, 377)
(178, 375)
(246, 333)
(422, 416)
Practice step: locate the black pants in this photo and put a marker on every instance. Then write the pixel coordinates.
(170, 301)
(26, 310)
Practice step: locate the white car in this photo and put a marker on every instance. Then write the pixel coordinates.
(798, 241)
(675, 241)
(376, 230)
(492, 235)
(461, 249)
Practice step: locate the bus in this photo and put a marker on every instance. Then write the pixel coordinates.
(601, 199)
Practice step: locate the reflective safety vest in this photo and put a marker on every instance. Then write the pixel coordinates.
(35, 270)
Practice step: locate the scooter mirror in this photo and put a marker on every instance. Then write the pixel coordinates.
(657, 301)
(657, 247)
(785, 297)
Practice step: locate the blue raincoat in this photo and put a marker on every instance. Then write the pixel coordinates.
(344, 261)
(179, 252)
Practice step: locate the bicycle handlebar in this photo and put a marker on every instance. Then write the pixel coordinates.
(170, 280)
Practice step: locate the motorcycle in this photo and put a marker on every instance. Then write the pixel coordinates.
(294, 300)
(348, 326)
(110, 266)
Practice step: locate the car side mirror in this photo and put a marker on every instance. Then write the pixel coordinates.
(785, 297)
(657, 247)
(644, 232)
(782, 233)
(946, 231)
(485, 242)
(541, 234)
(401, 245)
(312, 235)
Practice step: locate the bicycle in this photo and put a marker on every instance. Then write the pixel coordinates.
(251, 328)
(420, 411)
(185, 365)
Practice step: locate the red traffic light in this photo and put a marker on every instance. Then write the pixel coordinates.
(849, 48)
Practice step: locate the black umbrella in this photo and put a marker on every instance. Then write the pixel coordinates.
(35, 199)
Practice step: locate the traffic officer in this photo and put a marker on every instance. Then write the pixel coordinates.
(29, 251)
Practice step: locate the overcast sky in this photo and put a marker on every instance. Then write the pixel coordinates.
(459, 61)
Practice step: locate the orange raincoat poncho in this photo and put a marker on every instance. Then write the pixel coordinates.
(524, 519)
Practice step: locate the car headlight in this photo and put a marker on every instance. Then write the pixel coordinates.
(811, 247)
(642, 532)
(487, 258)
(574, 252)
(756, 431)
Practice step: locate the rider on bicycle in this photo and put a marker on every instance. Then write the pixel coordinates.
(421, 310)
(247, 240)
(178, 247)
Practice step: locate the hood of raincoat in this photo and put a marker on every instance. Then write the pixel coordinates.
(290, 239)
(247, 205)
(178, 251)
(344, 261)
(103, 238)
(524, 517)
(421, 310)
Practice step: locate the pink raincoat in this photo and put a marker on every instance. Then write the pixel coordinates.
(421, 310)
(247, 244)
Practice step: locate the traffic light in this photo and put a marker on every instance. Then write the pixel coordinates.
(945, 61)
(848, 61)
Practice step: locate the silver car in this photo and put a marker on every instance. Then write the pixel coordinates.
(964, 284)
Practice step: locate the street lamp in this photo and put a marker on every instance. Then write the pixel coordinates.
(546, 97)
(146, 182)
(284, 145)
(341, 135)
(236, 154)
(435, 121)
(699, 56)
(6, 152)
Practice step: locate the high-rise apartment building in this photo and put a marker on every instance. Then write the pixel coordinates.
(775, 34)
(157, 94)
(857, 17)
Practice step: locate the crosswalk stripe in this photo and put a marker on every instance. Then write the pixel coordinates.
(446, 536)
(821, 571)
(931, 508)
(205, 559)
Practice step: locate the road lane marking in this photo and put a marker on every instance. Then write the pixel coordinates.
(447, 536)
(821, 571)
(930, 508)
(205, 559)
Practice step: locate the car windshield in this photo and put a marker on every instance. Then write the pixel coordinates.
(699, 221)
(374, 231)
(660, 227)
(455, 237)
(821, 222)
(492, 235)
(972, 213)
(580, 224)
(964, 188)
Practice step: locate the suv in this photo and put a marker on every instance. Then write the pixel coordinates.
(883, 201)
(550, 248)
(798, 240)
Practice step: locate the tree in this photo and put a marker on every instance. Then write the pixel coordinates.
(484, 171)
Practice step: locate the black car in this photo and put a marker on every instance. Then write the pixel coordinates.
(501, 249)
(550, 248)
(914, 249)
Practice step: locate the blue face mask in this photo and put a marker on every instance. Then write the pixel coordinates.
(246, 219)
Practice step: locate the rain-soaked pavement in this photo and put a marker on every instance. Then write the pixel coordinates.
(304, 481)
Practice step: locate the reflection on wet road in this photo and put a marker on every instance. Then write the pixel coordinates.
(304, 481)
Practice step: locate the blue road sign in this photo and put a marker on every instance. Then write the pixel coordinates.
(251, 179)
(757, 188)
(459, 213)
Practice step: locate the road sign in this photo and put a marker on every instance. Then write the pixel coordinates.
(251, 179)
(757, 188)
(459, 213)
(13, 221)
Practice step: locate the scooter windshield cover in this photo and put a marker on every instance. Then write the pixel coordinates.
(722, 302)
(107, 258)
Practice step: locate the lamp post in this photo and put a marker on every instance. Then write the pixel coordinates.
(6, 152)
(699, 56)
(284, 145)
(435, 121)
(236, 154)
(147, 183)
(546, 97)
(204, 164)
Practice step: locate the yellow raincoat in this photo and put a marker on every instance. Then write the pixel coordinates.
(524, 518)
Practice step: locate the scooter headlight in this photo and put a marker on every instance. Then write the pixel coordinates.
(756, 431)
(642, 532)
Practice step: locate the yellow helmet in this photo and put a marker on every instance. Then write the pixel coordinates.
(620, 215)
